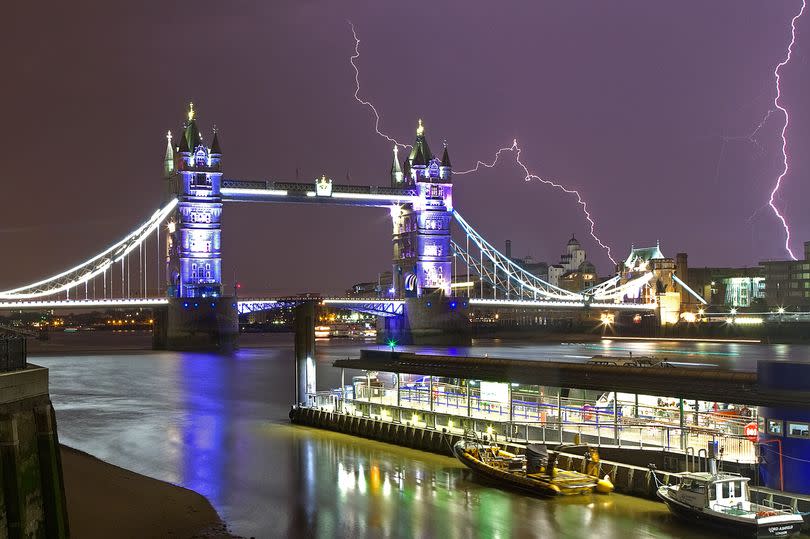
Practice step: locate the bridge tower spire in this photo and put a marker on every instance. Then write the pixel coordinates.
(168, 161)
(396, 171)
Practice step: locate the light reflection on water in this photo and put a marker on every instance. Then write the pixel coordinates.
(218, 425)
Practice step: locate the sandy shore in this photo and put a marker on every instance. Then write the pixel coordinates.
(107, 501)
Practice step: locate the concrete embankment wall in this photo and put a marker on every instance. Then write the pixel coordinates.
(32, 497)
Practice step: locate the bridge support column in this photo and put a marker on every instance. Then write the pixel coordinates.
(196, 324)
(433, 319)
(304, 351)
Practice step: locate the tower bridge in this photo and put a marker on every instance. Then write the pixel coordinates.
(180, 247)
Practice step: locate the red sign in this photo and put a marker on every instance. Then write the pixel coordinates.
(750, 431)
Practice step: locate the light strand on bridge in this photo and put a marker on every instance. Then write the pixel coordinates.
(99, 265)
(363, 102)
(528, 176)
(778, 105)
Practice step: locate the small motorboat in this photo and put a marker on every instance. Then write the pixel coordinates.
(722, 501)
(534, 472)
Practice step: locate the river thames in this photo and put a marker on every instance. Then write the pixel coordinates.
(218, 425)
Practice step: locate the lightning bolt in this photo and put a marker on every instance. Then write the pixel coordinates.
(362, 101)
(529, 176)
(778, 105)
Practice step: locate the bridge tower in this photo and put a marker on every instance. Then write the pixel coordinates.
(195, 257)
(421, 237)
(423, 260)
(198, 317)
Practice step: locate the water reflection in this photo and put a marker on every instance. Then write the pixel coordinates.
(219, 425)
(205, 405)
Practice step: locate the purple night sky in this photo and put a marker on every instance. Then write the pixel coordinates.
(627, 101)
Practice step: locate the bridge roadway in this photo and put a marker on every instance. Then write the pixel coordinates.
(678, 382)
(379, 307)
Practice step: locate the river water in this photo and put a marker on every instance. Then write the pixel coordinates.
(218, 425)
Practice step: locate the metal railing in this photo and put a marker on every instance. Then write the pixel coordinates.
(554, 419)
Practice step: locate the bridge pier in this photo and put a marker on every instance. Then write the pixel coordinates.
(430, 319)
(196, 324)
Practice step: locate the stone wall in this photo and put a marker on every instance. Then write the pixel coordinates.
(32, 497)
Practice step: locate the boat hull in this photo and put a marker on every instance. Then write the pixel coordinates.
(521, 482)
(732, 527)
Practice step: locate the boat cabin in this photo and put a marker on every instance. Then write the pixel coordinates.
(715, 491)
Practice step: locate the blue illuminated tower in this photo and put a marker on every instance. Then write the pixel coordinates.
(194, 244)
(423, 257)
(422, 252)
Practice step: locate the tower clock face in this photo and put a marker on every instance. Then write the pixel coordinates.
(200, 158)
(433, 169)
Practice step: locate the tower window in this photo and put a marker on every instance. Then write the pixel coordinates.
(194, 271)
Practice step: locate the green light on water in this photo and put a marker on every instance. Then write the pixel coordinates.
(392, 344)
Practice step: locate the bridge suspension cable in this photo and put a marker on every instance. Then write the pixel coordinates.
(617, 293)
(502, 273)
(98, 265)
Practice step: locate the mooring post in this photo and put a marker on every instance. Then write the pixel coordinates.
(304, 351)
(342, 389)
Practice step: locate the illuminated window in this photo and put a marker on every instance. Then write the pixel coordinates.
(761, 424)
(194, 271)
(775, 426)
(798, 430)
(207, 247)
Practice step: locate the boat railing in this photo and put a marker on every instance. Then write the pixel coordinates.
(751, 508)
(776, 506)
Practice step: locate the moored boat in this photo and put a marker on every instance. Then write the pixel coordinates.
(722, 501)
(534, 473)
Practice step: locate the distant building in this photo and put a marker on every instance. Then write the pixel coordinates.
(787, 282)
(577, 281)
(536, 268)
(382, 287)
(727, 287)
(573, 269)
(573, 273)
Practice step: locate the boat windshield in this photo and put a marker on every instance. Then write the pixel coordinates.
(698, 487)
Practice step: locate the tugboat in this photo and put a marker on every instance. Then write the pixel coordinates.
(722, 501)
(533, 473)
